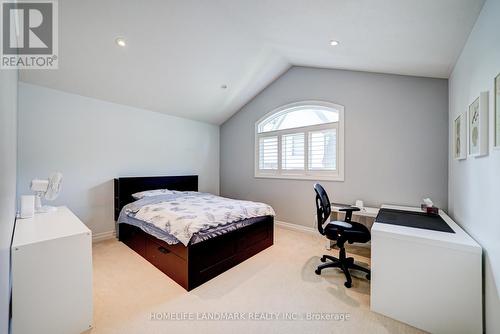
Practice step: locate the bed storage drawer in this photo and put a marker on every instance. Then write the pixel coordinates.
(211, 258)
(133, 237)
(214, 256)
(167, 261)
(194, 265)
(260, 233)
(254, 239)
(178, 249)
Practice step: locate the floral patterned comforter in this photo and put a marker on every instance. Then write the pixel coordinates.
(185, 213)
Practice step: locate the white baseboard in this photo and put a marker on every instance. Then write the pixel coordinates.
(97, 237)
(295, 227)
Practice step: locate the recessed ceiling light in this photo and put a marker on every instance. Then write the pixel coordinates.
(120, 41)
(334, 43)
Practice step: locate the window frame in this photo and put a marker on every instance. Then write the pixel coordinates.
(305, 174)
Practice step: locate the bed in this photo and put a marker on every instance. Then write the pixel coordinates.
(208, 254)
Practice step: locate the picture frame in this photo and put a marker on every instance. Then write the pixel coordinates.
(460, 137)
(497, 113)
(478, 126)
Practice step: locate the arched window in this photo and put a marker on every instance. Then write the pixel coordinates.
(302, 140)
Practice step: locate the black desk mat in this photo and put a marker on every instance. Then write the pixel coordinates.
(413, 219)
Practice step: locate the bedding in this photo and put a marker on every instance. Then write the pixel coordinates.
(209, 233)
(178, 216)
(150, 193)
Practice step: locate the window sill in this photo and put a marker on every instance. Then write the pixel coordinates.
(337, 178)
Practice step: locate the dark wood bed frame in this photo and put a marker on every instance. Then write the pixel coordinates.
(195, 264)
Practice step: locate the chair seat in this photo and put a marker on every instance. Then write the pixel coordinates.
(357, 233)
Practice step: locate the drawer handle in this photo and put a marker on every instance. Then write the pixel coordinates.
(163, 250)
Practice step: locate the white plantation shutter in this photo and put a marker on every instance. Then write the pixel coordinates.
(301, 140)
(323, 150)
(268, 153)
(293, 151)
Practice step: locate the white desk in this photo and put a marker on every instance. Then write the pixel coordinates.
(428, 279)
(51, 274)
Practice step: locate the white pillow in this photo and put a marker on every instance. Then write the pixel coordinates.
(149, 193)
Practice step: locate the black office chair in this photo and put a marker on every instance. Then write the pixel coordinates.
(341, 232)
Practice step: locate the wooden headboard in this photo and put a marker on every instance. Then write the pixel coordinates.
(126, 186)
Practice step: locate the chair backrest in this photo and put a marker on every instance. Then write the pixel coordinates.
(323, 207)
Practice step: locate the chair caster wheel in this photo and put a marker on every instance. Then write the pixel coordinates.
(318, 272)
(323, 259)
(368, 277)
(347, 284)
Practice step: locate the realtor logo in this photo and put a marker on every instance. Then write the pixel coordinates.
(29, 34)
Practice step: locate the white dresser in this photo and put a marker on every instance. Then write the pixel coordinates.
(51, 274)
(428, 279)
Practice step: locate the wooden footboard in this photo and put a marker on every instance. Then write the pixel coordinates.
(195, 264)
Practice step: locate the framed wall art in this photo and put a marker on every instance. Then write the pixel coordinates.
(497, 112)
(460, 137)
(478, 126)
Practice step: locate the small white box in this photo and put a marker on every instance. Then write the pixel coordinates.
(27, 206)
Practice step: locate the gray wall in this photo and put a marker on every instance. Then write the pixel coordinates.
(92, 141)
(8, 148)
(396, 130)
(474, 184)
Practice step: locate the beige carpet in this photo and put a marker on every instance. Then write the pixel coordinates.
(276, 283)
